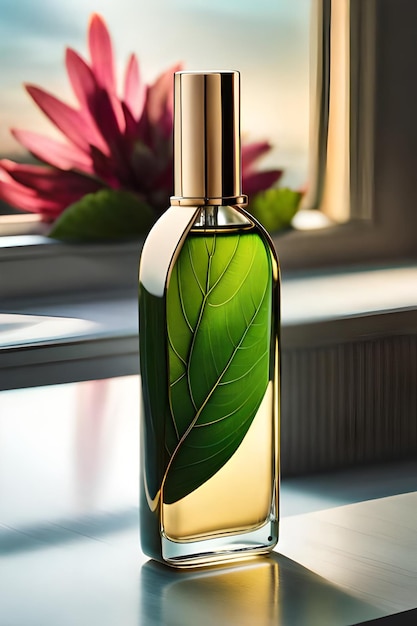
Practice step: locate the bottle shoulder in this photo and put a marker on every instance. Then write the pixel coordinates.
(166, 238)
(161, 244)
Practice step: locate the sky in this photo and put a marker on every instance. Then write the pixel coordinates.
(267, 40)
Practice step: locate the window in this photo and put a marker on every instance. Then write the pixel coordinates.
(365, 139)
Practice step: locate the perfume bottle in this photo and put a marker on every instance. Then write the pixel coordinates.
(209, 351)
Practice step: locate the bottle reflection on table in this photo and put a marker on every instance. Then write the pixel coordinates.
(262, 591)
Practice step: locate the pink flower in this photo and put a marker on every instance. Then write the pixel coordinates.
(118, 142)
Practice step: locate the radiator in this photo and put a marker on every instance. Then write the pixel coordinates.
(348, 403)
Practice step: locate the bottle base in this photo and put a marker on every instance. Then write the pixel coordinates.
(224, 549)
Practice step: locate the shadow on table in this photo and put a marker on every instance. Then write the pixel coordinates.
(263, 591)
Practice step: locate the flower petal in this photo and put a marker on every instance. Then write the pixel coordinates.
(101, 53)
(105, 118)
(85, 87)
(61, 155)
(143, 125)
(134, 92)
(160, 97)
(104, 168)
(81, 77)
(131, 126)
(118, 111)
(107, 124)
(49, 181)
(145, 165)
(69, 121)
(23, 198)
(251, 152)
(259, 181)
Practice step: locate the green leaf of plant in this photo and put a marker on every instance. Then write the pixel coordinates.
(106, 214)
(219, 324)
(275, 208)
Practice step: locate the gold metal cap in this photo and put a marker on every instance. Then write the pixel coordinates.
(207, 160)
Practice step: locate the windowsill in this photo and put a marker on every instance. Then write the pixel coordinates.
(35, 267)
(95, 337)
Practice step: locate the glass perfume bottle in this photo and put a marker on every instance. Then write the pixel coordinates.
(209, 351)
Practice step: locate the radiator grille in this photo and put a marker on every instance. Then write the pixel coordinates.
(348, 404)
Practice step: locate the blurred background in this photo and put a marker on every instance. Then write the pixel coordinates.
(268, 41)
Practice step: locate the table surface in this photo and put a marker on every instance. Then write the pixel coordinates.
(69, 546)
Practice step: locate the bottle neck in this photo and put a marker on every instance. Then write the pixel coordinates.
(213, 217)
(208, 217)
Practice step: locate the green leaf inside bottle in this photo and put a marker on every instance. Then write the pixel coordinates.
(219, 303)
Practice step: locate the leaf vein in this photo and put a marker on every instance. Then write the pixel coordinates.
(207, 458)
(194, 270)
(223, 417)
(239, 286)
(228, 382)
(177, 380)
(182, 299)
(226, 267)
(197, 326)
(175, 351)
